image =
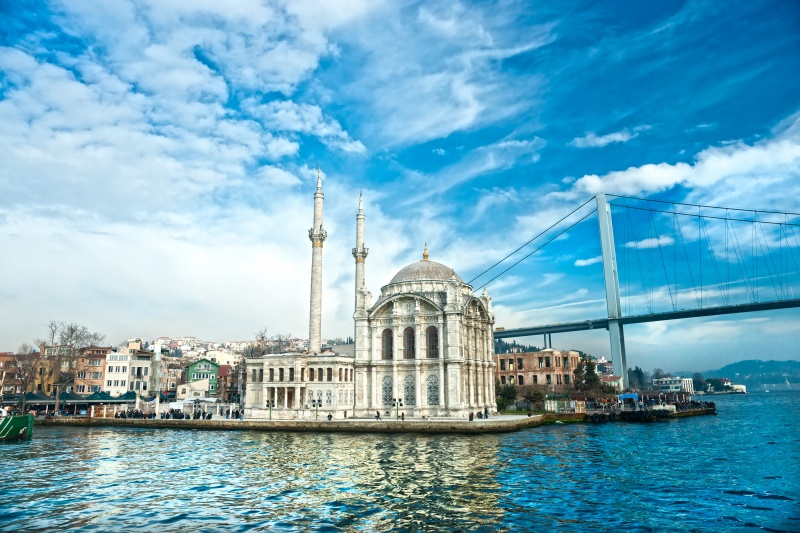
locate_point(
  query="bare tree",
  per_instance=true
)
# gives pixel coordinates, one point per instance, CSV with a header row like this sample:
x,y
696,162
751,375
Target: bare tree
x,y
28,365
64,343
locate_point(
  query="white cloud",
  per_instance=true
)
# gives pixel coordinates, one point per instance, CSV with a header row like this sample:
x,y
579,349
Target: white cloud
x,y
308,119
661,240
590,261
439,151
591,140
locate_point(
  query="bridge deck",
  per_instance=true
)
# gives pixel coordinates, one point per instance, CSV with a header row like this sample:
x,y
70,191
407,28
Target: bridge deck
x,y
602,323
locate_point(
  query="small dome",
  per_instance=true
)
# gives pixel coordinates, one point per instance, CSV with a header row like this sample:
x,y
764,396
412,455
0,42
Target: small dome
x,y
425,270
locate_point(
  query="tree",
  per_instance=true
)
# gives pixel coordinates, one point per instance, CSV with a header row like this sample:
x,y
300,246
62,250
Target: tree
x,y
637,378
64,344
533,395
586,377
699,382
658,374
28,365
508,393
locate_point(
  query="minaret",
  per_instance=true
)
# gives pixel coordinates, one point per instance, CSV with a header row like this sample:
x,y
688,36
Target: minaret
x,y
360,252
317,236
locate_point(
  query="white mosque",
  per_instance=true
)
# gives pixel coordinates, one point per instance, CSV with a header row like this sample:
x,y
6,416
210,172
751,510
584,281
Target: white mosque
x,y
425,348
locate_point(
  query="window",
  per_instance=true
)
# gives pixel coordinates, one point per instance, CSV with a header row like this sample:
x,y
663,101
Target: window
x,y
80,388
558,379
519,364
502,380
280,374
386,390
260,374
116,383
330,374
409,349
255,375
272,374
520,380
510,380
547,362
386,344
549,379
302,374
566,378
410,390
432,335
144,386
511,365
291,374
94,362
566,362
328,397
319,374
541,362
96,375
81,375
108,383
310,374
433,390
502,364
145,371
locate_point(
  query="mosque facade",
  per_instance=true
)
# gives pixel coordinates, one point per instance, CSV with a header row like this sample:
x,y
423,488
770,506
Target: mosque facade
x,y
425,348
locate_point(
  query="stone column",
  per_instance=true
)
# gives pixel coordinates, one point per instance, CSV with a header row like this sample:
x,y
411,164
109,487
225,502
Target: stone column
x,y
317,236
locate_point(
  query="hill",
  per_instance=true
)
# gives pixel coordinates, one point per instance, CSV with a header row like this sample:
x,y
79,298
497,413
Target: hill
x,y
756,373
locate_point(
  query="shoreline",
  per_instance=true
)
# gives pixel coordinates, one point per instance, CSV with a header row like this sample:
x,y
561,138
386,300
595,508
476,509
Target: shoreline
x,y
498,424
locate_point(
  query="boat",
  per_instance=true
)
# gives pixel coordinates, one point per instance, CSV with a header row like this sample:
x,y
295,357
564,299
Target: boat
x,y
16,427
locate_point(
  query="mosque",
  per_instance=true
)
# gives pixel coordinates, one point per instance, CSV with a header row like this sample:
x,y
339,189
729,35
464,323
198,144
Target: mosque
x,y
425,348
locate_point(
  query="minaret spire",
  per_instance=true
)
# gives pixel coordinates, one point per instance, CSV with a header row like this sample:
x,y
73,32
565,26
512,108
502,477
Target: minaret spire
x,y
317,237
360,251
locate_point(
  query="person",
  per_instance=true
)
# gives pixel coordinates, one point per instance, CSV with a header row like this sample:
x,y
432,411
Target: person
x,y
485,412
330,417
402,416
471,416
377,415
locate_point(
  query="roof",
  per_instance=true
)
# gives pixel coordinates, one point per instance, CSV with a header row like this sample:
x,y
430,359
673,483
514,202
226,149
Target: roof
x,y
425,270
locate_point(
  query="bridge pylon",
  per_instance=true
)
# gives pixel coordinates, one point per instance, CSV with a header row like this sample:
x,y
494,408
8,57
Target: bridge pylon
x,y
611,275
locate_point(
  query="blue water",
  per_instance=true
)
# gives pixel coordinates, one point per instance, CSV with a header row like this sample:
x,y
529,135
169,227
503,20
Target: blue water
x,y
737,471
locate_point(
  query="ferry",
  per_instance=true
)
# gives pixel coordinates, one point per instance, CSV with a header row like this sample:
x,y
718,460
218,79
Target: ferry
x,y
15,427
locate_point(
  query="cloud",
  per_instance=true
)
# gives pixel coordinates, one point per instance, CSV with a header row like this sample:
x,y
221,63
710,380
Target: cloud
x,y
661,240
439,151
591,140
590,261
735,165
288,116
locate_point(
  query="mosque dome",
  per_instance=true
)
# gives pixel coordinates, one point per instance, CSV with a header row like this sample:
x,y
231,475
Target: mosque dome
x,y
425,270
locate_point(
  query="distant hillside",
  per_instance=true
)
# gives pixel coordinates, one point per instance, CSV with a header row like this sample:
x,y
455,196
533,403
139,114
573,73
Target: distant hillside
x,y
755,372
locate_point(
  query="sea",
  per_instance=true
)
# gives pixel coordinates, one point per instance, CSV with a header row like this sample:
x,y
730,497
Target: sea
x,y
736,471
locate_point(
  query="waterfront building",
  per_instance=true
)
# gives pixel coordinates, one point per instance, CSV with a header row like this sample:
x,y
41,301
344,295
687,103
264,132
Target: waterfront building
x,y
204,369
116,375
91,370
427,344
549,368
674,384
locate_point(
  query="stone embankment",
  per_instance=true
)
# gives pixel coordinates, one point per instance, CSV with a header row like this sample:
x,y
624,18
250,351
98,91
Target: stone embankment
x,y
497,424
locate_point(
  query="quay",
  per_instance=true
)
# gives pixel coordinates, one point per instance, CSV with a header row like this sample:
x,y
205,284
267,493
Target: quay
x,y
496,424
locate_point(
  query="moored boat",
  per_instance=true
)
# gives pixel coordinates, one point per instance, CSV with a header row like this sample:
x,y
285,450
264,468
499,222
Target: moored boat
x,y
16,427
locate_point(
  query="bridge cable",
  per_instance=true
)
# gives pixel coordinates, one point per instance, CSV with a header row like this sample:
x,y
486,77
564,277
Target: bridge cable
x,y
688,263
663,262
540,247
629,223
702,205
714,263
767,259
708,216
530,241
737,248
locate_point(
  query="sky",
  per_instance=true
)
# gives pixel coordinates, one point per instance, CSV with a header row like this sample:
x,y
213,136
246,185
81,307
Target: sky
x,y
158,160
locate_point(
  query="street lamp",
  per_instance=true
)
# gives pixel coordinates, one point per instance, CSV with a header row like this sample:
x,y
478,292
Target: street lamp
x,y
316,404
270,404
397,403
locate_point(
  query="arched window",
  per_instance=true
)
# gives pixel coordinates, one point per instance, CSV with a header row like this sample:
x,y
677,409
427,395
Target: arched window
x,y
520,380
409,391
340,374
386,345
432,335
386,390
310,374
433,390
330,374
272,374
319,374
408,344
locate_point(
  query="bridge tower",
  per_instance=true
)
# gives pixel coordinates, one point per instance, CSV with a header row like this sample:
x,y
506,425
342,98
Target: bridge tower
x,y
611,275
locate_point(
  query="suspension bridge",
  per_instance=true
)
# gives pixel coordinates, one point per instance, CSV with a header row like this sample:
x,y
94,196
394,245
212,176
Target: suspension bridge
x,y
679,261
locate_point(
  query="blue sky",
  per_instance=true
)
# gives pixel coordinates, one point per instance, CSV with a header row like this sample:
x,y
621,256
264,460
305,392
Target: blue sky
x,y
159,157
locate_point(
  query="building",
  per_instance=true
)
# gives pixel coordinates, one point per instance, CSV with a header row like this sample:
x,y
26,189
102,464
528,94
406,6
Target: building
x,y
612,381
204,369
116,376
550,368
426,344
91,369
674,384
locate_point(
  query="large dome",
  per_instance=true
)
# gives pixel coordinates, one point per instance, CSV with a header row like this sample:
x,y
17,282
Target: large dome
x,y
425,270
